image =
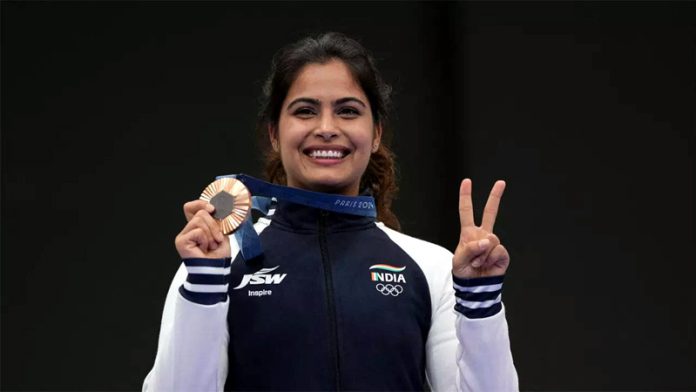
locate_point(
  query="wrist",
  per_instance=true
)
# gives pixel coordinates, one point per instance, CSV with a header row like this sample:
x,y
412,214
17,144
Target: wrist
x,y
478,297
207,280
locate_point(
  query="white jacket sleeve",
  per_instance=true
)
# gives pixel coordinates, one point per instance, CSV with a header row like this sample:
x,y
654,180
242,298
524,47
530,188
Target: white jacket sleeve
x,y
484,358
192,348
481,346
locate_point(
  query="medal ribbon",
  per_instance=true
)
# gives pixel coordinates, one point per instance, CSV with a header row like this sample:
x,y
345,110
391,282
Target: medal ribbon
x,y
263,192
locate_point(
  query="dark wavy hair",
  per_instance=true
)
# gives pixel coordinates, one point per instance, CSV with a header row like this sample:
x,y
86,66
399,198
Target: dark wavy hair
x,y
380,175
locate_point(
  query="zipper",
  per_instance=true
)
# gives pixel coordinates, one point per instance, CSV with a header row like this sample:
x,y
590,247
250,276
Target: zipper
x,y
330,304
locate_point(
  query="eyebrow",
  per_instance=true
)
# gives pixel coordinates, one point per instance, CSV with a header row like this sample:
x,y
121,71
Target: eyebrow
x,y
314,101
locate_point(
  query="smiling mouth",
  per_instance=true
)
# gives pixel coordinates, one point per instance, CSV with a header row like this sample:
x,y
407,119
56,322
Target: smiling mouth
x,y
327,153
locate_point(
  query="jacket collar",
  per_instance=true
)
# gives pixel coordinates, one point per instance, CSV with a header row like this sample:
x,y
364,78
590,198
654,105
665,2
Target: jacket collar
x,y
303,219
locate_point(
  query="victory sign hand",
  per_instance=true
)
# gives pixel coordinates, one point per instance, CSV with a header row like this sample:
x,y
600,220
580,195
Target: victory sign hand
x,y
479,252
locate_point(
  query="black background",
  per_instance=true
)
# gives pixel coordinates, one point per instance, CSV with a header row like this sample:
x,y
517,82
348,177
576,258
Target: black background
x,y
114,114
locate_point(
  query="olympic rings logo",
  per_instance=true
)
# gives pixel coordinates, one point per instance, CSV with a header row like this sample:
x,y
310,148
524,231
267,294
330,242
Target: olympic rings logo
x,y
389,289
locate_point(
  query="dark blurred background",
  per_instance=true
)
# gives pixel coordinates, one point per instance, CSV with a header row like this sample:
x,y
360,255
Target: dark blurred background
x,y
115,114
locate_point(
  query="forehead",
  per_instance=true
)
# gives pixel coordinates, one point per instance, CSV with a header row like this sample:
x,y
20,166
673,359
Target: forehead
x,y
327,81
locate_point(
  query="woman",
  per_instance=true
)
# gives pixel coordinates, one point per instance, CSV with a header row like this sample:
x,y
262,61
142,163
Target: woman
x,y
336,301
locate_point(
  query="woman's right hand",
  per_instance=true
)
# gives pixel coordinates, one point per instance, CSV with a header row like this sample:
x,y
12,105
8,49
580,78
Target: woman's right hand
x,y
202,236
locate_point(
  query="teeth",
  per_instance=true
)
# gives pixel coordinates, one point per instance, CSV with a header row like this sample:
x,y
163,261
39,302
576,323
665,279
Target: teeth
x,y
326,154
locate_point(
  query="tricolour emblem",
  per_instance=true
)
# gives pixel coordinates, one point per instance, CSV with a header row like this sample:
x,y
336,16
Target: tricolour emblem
x,y
391,276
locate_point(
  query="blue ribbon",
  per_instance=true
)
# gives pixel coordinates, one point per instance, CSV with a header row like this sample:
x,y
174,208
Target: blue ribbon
x,y
263,192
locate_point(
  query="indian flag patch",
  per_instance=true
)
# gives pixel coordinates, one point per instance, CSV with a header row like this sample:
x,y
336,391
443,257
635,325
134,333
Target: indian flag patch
x,y
387,273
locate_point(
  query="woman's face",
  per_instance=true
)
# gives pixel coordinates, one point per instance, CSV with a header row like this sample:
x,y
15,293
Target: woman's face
x,y
325,132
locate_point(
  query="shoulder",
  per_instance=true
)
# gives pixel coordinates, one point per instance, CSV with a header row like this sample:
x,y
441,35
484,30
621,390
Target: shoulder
x,y
434,260
417,248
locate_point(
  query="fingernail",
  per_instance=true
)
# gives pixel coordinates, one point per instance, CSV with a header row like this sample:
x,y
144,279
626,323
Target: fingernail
x,y
209,207
483,244
476,263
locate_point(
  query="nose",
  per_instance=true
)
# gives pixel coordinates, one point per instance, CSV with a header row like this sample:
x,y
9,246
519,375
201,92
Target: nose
x,y
327,128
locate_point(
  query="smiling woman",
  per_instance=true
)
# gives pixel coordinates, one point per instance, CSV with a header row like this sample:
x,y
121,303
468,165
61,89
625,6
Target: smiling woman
x,y
325,134
336,65
335,300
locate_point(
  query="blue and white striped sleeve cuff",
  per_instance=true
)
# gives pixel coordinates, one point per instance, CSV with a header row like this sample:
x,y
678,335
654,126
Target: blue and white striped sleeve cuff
x,y
478,297
207,280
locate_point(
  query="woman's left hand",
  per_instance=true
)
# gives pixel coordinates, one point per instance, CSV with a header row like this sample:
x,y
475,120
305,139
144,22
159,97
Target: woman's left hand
x,y
479,252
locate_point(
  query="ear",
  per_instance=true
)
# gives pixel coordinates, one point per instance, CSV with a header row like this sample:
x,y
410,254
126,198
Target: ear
x,y
377,138
273,137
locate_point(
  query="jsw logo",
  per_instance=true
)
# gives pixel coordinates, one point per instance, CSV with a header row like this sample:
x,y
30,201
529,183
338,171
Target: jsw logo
x,y
262,276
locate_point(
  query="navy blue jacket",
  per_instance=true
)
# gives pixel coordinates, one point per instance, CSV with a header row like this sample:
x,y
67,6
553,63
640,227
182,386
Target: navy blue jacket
x,y
325,325
336,302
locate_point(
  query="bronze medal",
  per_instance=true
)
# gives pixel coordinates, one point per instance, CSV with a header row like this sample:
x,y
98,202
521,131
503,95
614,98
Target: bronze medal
x,y
232,202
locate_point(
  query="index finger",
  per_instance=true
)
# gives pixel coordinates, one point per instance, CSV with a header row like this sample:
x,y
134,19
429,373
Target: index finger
x,y
492,205
466,207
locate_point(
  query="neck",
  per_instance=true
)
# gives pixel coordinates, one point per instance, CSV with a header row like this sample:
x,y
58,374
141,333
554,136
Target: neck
x,y
351,190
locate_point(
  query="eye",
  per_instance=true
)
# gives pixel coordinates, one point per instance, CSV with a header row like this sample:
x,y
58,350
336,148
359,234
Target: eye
x,y
304,112
348,112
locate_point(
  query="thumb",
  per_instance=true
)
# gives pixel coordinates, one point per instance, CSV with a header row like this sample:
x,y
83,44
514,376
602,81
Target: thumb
x,y
468,252
192,207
